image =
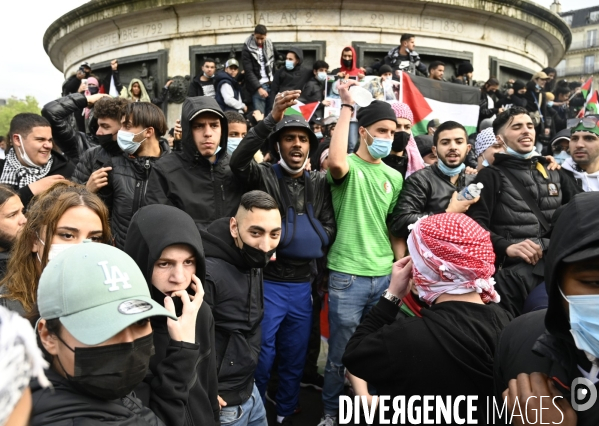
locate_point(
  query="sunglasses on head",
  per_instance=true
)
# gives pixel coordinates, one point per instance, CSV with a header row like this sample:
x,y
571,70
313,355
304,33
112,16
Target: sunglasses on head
x,y
588,122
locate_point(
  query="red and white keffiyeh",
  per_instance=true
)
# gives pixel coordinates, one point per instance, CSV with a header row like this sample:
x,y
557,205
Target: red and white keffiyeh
x,y
415,161
452,254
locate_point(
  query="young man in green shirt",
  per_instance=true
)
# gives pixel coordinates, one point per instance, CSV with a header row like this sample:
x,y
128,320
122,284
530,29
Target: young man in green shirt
x,y
364,191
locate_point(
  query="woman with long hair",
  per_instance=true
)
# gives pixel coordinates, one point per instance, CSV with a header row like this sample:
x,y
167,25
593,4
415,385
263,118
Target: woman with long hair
x,y
64,214
12,221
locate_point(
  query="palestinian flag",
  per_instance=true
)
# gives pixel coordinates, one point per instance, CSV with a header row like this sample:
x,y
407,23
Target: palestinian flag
x,y
586,87
430,99
592,103
306,110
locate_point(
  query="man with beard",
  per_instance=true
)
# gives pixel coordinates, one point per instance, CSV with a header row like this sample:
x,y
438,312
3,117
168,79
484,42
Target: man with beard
x,y
517,204
12,221
434,189
583,166
304,200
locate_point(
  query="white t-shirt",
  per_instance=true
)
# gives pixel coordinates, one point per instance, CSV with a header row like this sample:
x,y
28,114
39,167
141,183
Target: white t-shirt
x,y
263,76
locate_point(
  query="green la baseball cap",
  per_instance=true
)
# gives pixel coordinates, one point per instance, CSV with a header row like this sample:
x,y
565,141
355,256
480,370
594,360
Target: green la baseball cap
x,y
96,291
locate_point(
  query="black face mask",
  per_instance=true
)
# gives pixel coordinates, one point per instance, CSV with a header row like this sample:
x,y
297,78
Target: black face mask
x,y
255,258
347,63
112,371
105,140
93,90
400,141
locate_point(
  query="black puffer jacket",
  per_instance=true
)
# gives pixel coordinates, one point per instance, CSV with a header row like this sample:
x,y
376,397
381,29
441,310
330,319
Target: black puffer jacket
x,y
182,376
72,142
262,177
502,210
424,193
191,182
235,293
541,341
127,183
62,405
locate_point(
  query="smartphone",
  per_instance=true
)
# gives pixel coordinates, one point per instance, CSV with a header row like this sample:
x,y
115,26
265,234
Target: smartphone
x,y
84,80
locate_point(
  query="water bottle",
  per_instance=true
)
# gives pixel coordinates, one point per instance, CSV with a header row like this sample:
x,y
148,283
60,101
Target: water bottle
x,y
470,192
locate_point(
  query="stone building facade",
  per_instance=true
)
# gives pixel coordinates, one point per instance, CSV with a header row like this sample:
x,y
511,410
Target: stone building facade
x,y
582,58
164,38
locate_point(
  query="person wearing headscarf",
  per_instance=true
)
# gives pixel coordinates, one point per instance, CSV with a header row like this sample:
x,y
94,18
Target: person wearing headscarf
x,y
20,361
136,91
404,156
486,147
454,340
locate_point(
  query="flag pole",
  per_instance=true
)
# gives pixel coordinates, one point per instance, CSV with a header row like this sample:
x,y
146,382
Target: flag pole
x,y
400,86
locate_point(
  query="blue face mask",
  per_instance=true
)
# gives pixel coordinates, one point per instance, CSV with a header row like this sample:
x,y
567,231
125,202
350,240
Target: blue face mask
x,y
549,104
318,135
519,155
380,147
321,76
485,162
289,65
126,142
561,157
450,171
538,87
584,322
232,144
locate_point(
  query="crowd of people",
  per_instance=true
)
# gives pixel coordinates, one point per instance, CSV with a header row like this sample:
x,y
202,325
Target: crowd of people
x,y
450,264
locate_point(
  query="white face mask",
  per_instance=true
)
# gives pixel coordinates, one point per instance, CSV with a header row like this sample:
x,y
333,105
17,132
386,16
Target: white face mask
x,y
55,249
24,157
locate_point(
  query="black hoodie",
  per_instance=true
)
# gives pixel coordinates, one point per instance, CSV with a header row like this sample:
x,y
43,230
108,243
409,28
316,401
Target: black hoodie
x,y
541,341
62,405
191,182
182,375
235,293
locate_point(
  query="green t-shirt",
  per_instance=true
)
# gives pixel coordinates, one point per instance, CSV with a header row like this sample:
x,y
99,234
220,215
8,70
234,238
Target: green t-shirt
x,y
362,203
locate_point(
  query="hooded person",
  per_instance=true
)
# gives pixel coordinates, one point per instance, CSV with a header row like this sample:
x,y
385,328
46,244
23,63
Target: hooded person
x,y
555,351
517,96
136,94
451,265
181,371
235,257
404,157
349,64
202,163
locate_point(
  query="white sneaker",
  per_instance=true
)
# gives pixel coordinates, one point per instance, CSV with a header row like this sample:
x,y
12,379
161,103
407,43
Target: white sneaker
x,y
328,420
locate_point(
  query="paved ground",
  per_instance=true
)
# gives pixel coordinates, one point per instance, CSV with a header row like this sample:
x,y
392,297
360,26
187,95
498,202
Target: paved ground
x,y
310,400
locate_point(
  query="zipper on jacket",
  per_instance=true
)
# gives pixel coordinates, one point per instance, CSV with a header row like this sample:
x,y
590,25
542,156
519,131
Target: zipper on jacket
x,y
222,191
144,184
212,172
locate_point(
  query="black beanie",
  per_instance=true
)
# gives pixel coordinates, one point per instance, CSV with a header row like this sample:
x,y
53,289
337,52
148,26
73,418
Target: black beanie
x,y
376,111
385,69
424,144
465,68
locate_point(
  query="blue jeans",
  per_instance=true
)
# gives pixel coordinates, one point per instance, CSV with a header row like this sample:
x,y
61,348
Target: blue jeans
x,y
286,329
250,413
350,298
261,103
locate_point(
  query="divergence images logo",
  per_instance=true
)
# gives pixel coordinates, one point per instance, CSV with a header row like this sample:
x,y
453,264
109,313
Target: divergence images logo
x,y
584,394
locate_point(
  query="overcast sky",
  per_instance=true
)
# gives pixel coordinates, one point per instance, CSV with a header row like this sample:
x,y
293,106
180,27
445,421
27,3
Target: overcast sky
x,y
26,68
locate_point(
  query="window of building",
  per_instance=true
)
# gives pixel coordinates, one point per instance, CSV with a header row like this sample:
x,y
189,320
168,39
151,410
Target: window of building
x,y
567,19
589,64
591,38
593,17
